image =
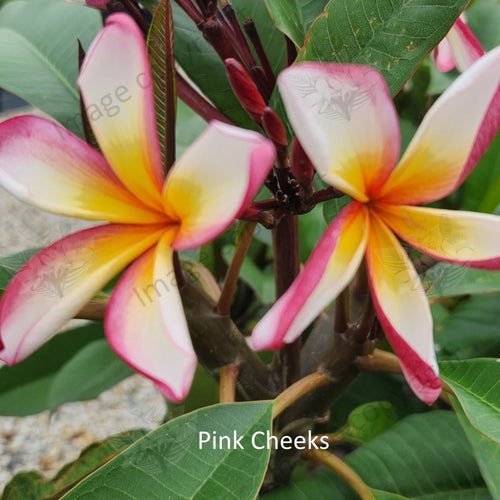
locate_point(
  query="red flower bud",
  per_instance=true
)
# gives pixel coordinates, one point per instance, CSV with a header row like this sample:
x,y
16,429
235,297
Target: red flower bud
x,y
245,89
274,127
300,164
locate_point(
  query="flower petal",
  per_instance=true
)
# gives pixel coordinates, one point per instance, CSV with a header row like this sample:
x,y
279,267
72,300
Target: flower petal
x,y
468,238
47,166
117,89
434,163
214,180
464,45
58,281
146,326
345,120
328,271
443,56
403,310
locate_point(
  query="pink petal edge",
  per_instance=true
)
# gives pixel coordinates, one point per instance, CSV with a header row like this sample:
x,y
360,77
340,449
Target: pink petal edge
x,y
273,329
115,330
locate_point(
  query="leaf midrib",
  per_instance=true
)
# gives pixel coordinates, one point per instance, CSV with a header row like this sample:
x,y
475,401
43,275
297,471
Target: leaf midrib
x,y
59,75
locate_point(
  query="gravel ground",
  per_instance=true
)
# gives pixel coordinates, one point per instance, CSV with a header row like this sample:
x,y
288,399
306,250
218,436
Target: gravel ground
x,y
46,441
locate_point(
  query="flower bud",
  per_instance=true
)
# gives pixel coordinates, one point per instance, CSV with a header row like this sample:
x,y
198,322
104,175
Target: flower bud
x,y
245,89
274,127
300,164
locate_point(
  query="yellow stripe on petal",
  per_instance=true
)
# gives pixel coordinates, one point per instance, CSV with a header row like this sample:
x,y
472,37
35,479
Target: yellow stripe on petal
x,y
58,281
346,122
213,180
402,309
116,86
468,238
47,166
328,271
146,326
434,162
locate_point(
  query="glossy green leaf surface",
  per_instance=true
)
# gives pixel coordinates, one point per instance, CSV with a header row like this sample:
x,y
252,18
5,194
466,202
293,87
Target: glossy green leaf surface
x,y
487,452
77,364
392,36
470,330
368,421
171,462
38,43
287,15
423,456
33,486
476,384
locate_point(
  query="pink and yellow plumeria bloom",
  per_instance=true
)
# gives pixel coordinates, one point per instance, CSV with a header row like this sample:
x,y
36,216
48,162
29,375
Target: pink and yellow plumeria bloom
x,y
458,49
149,217
344,118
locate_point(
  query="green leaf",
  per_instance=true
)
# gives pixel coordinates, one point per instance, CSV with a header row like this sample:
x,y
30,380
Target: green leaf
x,y
449,280
92,370
171,463
205,68
160,45
476,384
311,228
28,486
487,452
370,387
311,9
287,16
39,54
481,190
392,36
332,208
33,486
424,455
10,264
322,484
32,386
470,330
483,18
189,126
367,421
421,457
261,282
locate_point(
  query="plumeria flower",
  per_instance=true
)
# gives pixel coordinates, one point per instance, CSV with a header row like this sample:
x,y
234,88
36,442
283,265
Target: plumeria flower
x,y
345,120
458,49
149,217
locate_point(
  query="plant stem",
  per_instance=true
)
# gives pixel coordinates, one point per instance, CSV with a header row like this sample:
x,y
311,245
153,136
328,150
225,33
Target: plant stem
x,y
218,343
270,79
293,393
380,361
227,388
197,102
385,362
191,10
341,321
341,469
95,310
170,80
135,12
231,279
287,267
